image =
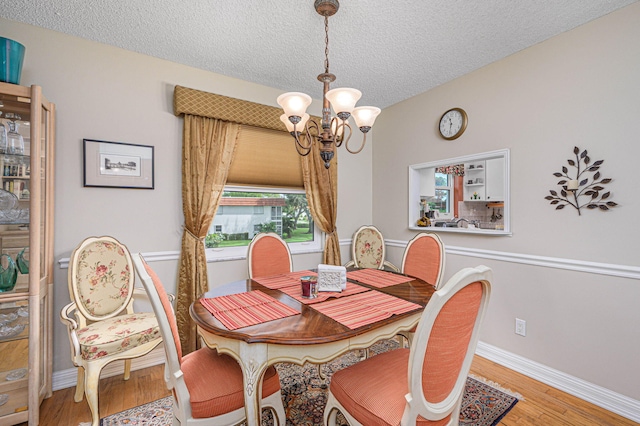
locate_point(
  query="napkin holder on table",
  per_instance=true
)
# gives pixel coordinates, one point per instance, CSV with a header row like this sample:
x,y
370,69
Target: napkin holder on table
x,y
332,278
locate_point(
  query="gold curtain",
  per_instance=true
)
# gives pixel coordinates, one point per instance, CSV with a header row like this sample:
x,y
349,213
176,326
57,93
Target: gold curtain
x,y
321,187
207,151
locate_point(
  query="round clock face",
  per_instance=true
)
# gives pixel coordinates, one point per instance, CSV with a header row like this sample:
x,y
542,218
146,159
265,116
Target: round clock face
x,y
453,123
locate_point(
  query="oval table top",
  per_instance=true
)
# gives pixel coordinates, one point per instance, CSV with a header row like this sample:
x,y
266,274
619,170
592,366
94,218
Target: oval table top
x,y
311,326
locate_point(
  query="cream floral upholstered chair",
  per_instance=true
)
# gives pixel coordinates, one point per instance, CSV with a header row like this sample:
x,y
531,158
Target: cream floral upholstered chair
x,y
268,254
100,319
207,387
422,385
368,250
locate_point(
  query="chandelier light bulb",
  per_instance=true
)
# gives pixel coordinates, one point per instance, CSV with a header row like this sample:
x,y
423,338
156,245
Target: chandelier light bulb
x,y
294,104
365,116
343,100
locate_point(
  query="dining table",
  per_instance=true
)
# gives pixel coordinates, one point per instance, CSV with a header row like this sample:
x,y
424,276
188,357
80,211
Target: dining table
x,y
265,320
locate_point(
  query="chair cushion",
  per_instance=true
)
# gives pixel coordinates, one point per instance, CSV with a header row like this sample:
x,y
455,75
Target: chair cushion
x,y
111,336
103,277
423,260
215,383
168,309
373,390
269,257
368,249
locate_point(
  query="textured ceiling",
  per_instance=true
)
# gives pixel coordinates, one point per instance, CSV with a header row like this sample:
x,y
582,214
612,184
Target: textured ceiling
x,y
390,50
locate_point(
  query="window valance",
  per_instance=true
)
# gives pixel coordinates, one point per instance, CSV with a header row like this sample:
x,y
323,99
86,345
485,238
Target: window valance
x,y
205,104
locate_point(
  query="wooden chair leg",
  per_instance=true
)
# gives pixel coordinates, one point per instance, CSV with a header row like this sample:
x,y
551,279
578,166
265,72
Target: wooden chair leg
x,y
127,369
79,385
91,382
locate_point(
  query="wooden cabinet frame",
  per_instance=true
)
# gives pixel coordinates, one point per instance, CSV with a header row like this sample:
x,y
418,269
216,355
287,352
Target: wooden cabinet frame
x,y
32,106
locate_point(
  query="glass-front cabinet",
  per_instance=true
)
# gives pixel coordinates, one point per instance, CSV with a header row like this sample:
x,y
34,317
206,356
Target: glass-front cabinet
x,y
26,251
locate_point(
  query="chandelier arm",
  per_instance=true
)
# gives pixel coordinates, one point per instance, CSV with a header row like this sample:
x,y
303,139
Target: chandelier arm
x,y
304,140
364,140
303,149
341,127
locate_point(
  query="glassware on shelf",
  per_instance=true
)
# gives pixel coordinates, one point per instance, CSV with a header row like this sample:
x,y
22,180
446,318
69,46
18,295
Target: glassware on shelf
x,y
8,275
23,264
15,141
3,137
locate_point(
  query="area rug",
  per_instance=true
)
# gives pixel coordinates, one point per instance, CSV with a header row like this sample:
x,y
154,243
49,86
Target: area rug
x,y
304,394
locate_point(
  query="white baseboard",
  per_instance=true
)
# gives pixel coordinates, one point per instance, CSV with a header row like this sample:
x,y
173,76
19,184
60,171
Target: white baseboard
x,y
597,395
67,378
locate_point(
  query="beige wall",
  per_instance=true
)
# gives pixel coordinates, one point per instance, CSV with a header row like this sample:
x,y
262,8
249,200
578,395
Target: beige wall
x,y
111,94
581,88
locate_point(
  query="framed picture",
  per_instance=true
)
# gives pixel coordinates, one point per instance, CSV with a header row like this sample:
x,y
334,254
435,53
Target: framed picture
x,y
117,164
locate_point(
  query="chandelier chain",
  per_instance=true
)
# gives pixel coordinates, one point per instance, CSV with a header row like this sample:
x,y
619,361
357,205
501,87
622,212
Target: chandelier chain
x,y
326,44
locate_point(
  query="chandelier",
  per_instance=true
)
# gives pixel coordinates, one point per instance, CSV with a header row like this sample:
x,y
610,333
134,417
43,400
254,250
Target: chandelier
x,y
332,132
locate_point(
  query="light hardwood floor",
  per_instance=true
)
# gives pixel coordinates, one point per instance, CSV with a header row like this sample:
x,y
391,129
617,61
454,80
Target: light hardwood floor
x,y
542,405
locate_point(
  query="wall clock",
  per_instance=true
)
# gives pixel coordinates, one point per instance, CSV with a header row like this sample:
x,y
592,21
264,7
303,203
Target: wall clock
x,y
453,123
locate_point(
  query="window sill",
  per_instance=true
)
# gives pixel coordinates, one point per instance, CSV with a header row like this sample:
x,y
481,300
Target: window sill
x,y
218,255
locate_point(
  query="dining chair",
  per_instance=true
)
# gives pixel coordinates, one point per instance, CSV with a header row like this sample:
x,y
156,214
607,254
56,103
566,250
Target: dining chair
x,y
101,322
424,258
424,384
207,387
368,250
268,254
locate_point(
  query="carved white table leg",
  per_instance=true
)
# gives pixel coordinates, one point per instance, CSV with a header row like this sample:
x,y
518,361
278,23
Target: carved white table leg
x,y
253,361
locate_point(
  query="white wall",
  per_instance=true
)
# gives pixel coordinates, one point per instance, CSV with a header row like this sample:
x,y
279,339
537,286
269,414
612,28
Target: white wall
x,y
111,94
581,88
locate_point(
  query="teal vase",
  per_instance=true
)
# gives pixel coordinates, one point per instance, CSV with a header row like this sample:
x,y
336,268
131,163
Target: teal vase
x,y
11,57
22,263
8,275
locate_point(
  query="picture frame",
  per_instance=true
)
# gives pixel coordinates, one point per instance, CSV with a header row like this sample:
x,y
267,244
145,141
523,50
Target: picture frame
x,y
117,165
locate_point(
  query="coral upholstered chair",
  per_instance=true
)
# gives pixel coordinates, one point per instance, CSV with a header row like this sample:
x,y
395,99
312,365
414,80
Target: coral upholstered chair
x,y
207,387
424,258
100,320
368,250
268,254
422,385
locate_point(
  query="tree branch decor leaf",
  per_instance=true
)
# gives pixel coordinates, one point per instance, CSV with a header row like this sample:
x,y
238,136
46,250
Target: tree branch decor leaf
x,y
581,190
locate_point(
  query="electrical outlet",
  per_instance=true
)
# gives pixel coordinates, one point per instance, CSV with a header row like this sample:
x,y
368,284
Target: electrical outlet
x,y
521,327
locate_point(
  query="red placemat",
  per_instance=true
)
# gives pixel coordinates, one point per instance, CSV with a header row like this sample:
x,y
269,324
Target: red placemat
x,y
377,278
364,308
245,309
277,282
295,291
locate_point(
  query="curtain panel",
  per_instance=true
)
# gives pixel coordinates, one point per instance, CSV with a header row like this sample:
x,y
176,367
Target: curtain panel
x,y
207,151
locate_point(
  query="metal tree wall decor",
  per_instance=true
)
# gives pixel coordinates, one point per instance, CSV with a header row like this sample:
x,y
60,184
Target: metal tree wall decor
x,y
583,191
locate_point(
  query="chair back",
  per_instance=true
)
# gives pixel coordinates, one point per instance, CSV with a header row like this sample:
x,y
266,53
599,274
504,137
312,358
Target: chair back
x,y
164,312
101,280
368,249
424,258
444,345
268,254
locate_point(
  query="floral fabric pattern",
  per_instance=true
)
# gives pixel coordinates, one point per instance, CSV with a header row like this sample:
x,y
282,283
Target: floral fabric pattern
x,y
115,335
456,170
369,248
103,277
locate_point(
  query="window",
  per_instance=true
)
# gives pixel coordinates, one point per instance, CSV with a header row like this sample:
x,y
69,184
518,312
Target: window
x,y
444,194
249,211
